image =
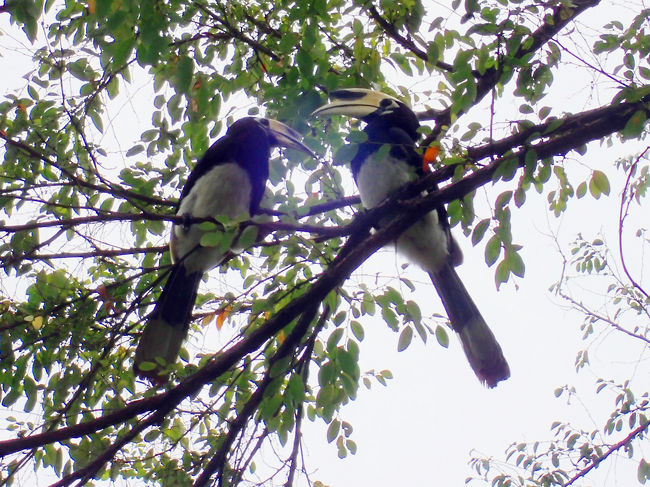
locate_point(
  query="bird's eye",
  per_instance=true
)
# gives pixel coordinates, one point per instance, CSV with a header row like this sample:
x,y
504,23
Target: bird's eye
x,y
385,102
265,122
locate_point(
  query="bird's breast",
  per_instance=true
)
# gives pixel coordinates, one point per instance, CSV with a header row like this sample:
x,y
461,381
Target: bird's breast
x,y
426,242
223,191
377,179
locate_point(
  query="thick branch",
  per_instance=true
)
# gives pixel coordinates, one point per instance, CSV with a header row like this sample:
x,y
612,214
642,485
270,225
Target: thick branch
x,y
579,123
403,213
561,16
408,44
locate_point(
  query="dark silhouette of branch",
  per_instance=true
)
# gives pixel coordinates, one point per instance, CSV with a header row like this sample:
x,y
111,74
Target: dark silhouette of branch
x,y
560,17
572,123
97,253
397,214
406,43
89,471
303,368
114,189
236,33
332,205
218,461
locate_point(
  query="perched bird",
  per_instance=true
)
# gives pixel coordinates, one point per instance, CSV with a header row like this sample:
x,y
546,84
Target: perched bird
x,y
227,183
428,242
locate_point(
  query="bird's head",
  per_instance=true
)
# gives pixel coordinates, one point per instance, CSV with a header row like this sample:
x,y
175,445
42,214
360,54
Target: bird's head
x,y
277,133
373,107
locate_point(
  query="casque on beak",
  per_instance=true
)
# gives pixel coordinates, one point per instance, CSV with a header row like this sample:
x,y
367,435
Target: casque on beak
x,y
355,102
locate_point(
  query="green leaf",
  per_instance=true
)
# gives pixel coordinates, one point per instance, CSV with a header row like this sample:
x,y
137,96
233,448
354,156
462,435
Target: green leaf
x,y
183,76
598,184
368,304
345,154
97,120
247,237
502,274
333,430
479,230
334,339
357,330
635,125
136,149
516,264
405,339
442,337
503,199
492,250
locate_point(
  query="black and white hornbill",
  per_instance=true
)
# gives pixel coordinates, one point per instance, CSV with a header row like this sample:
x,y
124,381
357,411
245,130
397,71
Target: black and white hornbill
x,y
228,183
428,242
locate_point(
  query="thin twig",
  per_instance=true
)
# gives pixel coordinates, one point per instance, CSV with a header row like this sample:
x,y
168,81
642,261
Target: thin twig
x,y
621,219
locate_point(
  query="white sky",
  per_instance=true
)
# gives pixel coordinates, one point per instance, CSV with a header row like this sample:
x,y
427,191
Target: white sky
x,y
423,428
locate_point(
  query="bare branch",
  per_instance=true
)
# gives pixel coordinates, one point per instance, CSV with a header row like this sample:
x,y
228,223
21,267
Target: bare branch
x,y
622,214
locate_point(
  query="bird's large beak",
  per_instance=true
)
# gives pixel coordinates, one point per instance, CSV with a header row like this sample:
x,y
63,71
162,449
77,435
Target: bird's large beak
x,y
285,136
353,102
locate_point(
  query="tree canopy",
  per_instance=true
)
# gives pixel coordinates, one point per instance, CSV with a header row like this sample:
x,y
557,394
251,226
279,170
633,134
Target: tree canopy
x,y
91,173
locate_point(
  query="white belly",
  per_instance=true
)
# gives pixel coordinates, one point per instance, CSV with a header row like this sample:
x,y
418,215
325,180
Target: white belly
x,y
224,191
425,243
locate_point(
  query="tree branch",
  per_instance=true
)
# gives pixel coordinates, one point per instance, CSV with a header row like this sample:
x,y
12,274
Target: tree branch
x,y
561,16
398,213
622,214
616,446
114,189
218,461
407,44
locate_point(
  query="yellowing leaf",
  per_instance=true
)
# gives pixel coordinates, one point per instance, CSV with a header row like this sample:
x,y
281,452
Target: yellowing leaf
x,y
222,315
37,323
92,6
207,319
281,337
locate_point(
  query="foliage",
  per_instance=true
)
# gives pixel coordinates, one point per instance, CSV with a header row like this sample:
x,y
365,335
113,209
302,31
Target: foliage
x,y
573,452
83,229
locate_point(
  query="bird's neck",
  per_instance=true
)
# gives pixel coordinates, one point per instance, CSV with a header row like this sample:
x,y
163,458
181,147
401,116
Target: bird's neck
x,y
381,132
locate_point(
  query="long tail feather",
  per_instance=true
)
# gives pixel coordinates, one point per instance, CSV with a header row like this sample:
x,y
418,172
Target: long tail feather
x,y
481,347
168,323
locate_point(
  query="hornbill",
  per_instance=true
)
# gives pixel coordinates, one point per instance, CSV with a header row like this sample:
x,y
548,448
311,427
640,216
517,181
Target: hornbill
x,y
227,183
428,242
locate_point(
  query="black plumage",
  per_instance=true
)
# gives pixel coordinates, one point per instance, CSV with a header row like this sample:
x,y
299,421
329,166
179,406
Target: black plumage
x,y
428,242
228,183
